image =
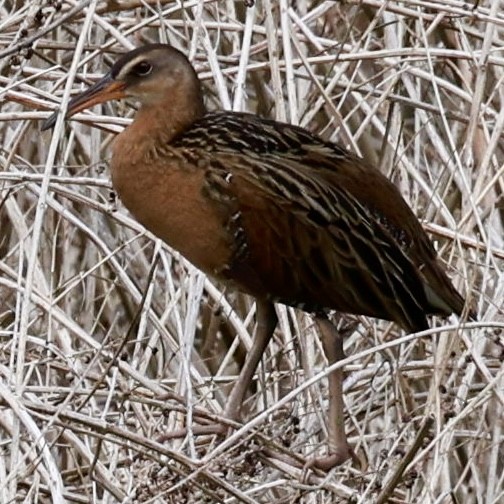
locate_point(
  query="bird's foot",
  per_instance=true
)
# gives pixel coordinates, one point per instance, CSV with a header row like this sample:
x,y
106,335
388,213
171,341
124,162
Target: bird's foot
x,y
336,457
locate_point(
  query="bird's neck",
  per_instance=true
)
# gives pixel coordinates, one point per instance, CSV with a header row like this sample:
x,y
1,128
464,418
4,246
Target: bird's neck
x,y
153,127
164,121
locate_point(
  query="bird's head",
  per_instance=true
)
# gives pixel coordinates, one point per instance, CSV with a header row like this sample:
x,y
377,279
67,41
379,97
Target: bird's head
x,y
150,74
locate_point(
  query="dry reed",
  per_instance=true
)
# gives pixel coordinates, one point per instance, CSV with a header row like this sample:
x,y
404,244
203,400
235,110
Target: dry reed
x,y
111,343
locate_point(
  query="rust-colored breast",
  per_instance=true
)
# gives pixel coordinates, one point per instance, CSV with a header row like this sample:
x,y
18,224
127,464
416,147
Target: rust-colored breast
x,y
163,189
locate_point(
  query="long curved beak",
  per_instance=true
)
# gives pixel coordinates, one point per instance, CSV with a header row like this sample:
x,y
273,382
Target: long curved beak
x,y
105,89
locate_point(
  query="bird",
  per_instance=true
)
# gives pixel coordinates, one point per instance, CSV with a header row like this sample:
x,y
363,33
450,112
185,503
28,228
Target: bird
x,y
269,209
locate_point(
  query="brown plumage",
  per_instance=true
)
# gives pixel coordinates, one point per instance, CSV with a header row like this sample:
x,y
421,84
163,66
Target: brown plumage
x,y
269,209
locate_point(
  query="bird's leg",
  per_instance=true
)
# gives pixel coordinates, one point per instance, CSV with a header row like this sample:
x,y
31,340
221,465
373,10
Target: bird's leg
x,y
266,322
339,449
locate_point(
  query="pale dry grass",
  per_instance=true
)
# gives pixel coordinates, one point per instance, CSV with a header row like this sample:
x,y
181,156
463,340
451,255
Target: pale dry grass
x,y
111,343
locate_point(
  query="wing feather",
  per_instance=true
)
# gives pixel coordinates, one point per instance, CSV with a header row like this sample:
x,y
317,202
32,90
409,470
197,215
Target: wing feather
x,y
317,232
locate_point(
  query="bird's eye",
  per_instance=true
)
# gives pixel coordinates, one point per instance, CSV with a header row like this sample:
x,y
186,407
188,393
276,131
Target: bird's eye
x,y
143,68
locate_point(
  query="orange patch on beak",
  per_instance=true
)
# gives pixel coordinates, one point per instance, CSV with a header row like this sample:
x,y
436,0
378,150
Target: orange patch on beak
x,y
104,90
